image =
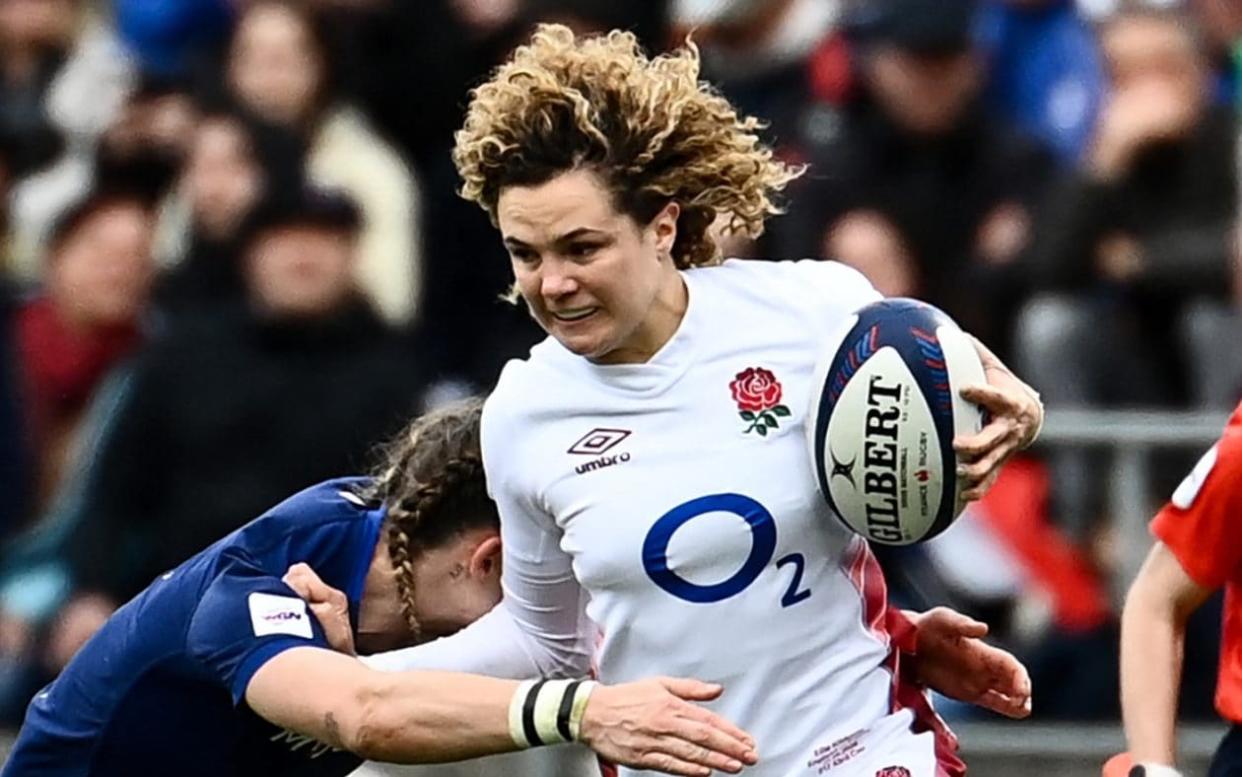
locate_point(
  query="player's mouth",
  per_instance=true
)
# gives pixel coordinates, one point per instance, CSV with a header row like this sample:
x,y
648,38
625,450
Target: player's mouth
x,y
573,315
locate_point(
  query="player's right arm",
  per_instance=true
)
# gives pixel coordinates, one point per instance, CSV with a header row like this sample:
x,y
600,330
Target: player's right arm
x,y
1153,625
431,717
252,633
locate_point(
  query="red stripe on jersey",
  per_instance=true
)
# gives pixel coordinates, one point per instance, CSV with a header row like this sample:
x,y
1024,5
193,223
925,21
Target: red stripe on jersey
x,y
906,693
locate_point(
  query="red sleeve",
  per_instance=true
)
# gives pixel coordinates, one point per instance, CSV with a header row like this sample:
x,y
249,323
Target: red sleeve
x,y
1202,523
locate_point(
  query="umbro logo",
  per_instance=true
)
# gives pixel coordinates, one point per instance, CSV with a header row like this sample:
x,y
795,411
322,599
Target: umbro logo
x,y
598,441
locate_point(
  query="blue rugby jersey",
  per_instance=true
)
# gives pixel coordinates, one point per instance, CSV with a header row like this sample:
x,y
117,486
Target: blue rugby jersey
x,y
160,690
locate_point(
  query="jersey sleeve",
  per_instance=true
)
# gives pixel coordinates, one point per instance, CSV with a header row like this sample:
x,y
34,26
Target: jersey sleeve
x,y
245,618
1202,523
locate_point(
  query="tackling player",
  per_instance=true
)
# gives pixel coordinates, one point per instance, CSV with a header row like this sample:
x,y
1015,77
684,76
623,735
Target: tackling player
x,y
1198,550
218,670
648,458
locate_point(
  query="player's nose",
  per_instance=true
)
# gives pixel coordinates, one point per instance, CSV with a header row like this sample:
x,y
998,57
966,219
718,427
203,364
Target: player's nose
x,y
556,283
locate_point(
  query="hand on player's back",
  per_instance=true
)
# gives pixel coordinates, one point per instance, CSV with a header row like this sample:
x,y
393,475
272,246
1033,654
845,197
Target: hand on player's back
x,y
652,724
327,604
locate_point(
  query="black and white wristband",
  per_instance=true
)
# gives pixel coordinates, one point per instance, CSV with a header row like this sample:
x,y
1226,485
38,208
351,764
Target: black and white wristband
x,y
1154,770
548,712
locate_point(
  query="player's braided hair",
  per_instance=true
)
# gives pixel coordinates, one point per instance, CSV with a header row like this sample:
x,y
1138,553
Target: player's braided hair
x,y
648,127
430,478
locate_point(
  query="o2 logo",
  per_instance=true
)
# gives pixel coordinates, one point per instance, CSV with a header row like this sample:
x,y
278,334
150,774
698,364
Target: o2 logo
x,y
762,548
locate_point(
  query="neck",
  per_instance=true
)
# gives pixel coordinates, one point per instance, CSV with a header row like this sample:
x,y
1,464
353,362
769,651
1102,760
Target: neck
x,y
661,323
381,618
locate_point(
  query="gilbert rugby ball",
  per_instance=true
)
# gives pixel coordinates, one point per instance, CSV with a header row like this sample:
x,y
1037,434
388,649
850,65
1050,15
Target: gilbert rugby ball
x,y
885,410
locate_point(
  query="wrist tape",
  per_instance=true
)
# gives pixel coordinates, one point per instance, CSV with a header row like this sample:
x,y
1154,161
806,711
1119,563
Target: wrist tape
x,y
548,712
1154,770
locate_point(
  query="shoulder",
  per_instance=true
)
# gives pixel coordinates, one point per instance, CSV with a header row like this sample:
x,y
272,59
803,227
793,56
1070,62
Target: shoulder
x,y
812,281
505,409
321,511
1218,474
527,385
1200,522
529,400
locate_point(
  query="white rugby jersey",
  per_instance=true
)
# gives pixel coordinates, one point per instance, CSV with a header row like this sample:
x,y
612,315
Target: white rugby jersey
x,y
673,504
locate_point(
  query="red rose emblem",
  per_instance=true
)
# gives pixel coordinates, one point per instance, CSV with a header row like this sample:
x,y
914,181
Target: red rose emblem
x,y
758,393
755,389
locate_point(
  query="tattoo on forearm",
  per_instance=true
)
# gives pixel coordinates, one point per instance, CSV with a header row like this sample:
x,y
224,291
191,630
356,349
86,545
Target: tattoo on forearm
x,y
333,728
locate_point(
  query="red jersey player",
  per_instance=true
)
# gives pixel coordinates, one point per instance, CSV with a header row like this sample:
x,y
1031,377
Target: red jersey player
x,y
1198,550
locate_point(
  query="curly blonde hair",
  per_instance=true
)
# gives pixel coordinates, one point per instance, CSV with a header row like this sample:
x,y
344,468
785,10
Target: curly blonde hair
x,y
648,127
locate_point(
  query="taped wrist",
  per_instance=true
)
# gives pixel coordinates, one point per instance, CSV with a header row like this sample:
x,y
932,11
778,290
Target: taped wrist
x,y
548,712
1154,770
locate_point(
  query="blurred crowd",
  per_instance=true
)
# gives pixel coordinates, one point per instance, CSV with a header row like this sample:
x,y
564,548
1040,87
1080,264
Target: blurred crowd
x,y
232,258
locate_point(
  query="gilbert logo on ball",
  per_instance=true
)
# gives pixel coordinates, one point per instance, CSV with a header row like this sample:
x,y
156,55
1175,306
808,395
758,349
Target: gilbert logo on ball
x,y
758,393
885,409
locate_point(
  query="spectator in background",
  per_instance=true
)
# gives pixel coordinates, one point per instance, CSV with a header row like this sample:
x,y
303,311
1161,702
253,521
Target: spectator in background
x,y
86,321
1221,23
35,39
15,474
222,419
174,40
1046,74
221,183
144,148
84,96
278,70
140,150
467,332
916,186
756,50
1133,241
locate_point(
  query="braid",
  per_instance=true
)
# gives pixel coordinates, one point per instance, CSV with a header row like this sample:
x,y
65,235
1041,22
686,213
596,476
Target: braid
x,y
403,569
431,481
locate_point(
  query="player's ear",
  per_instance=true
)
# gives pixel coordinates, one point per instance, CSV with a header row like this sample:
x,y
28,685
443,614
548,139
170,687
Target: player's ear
x,y
664,226
485,559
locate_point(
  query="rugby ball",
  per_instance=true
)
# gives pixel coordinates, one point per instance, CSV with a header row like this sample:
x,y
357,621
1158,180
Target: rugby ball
x,y
885,409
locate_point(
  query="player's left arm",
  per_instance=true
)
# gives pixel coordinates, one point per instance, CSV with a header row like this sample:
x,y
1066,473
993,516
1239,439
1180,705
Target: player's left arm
x,y
1015,416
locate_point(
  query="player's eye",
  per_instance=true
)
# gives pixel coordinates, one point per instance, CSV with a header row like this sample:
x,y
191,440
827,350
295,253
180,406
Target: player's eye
x,y
583,250
523,255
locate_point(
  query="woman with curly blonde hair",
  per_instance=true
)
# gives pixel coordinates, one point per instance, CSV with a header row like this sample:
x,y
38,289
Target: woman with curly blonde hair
x,y
648,519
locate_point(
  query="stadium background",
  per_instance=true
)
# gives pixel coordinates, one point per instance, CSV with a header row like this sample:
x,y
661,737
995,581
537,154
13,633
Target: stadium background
x,y
1058,175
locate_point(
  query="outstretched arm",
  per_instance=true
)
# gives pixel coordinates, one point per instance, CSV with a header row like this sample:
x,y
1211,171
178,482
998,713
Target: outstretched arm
x,y
430,717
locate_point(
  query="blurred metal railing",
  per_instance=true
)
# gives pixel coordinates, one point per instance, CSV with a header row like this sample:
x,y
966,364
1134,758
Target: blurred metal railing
x,y
1131,436
1068,749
